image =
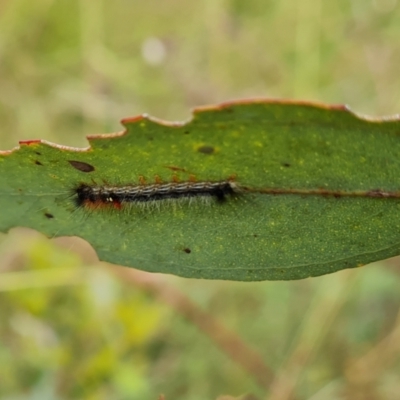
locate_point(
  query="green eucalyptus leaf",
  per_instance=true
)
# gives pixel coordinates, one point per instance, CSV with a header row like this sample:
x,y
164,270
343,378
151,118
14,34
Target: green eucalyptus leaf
x,y
317,192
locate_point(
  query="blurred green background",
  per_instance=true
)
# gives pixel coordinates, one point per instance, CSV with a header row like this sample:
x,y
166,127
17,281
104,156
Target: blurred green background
x,y
71,328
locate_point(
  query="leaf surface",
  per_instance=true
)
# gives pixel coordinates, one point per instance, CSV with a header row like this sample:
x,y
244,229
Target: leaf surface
x,y
319,191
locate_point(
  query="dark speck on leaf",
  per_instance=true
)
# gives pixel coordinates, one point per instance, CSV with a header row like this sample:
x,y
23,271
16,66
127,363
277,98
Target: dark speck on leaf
x,y
38,153
38,162
287,165
48,215
81,166
186,132
174,168
206,149
187,250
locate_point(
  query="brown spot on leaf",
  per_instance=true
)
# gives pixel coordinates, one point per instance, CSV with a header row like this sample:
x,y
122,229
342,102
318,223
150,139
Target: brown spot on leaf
x,y
38,162
48,215
187,250
81,166
174,168
286,164
206,149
